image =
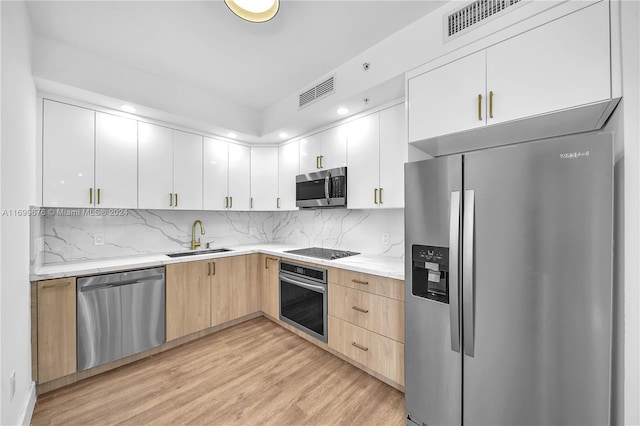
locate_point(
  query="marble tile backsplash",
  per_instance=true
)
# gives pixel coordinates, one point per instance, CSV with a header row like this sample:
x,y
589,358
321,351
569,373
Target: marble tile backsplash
x,y
71,234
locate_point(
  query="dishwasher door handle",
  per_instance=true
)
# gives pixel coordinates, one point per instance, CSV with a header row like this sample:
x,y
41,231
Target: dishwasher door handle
x,y
92,287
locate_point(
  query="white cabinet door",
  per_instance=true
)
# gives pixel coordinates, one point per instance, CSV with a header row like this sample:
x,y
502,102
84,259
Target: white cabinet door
x,y
216,174
116,168
68,152
364,162
310,152
239,177
559,65
264,178
289,168
155,167
393,156
334,148
445,100
187,170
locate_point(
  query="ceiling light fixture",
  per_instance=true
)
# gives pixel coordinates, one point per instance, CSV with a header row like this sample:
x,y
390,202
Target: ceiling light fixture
x,y
342,111
128,108
254,10
232,135
283,135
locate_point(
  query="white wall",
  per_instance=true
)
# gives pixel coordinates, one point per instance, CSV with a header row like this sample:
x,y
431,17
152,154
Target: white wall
x,y
17,170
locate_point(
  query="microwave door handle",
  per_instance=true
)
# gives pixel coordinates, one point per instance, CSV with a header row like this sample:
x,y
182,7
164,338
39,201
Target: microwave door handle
x,y
327,178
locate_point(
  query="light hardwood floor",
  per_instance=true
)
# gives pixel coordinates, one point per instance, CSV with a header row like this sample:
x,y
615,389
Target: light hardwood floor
x,y
254,373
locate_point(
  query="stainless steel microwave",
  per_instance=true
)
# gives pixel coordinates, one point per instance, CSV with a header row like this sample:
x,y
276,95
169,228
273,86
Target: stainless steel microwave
x,y
323,189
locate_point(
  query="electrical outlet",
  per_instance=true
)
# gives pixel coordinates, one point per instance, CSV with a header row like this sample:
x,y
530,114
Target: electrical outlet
x,y
98,239
12,385
253,231
385,238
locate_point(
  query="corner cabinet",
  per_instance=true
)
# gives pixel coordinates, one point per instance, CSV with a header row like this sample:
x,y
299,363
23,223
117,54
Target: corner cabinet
x,y
270,284
89,158
555,67
377,153
264,178
169,168
288,169
234,290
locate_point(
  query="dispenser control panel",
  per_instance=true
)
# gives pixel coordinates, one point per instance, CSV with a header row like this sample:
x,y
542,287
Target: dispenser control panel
x,y
430,272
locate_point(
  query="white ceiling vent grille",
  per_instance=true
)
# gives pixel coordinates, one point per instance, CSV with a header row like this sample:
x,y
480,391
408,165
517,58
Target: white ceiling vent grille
x,y
475,13
319,91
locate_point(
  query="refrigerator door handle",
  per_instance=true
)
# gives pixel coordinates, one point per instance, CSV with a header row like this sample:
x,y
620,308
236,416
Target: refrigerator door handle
x,y
468,254
454,256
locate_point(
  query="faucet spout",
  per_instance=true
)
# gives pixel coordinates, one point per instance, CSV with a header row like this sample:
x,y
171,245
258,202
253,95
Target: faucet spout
x,y
196,243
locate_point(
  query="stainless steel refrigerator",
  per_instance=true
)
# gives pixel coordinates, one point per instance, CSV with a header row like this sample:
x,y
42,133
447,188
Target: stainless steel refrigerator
x,y
508,286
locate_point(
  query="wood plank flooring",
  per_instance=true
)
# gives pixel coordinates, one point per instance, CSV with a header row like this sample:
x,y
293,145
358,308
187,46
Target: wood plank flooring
x,y
253,373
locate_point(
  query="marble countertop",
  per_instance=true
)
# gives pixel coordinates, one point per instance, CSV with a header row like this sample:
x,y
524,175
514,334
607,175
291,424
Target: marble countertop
x,y
371,264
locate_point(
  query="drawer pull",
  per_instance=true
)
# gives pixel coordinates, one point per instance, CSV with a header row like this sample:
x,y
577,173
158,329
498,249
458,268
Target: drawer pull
x,y
364,311
266,261
362,348
64,284
360,282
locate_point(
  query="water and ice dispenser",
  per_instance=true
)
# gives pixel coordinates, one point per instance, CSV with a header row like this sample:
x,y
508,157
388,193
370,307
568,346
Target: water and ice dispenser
x,y
430,272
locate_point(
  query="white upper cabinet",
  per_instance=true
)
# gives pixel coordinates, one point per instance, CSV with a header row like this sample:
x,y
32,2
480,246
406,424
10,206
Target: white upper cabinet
x,y
216,174
363,175
310,148
377,151
552,68
448,99
239,177
187,170
288,169
334,148
560,65
68,152
324,150
155,167
264,178
393,156
116,170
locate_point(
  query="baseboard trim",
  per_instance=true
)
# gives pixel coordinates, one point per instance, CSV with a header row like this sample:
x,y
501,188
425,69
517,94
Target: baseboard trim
x,y
27,412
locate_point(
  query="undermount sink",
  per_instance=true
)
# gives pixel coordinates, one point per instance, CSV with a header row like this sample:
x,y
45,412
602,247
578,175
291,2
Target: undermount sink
x,y
197,252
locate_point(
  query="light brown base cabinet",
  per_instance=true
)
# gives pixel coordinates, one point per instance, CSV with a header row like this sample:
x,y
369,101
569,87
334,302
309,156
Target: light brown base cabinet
x,y
235,290
188,298
56,332
270,269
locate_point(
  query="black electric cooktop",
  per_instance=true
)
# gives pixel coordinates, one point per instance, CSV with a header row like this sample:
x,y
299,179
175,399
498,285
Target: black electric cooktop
x,y
322,253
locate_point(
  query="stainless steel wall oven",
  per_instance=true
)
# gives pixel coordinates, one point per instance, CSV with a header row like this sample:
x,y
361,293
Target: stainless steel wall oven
x,y
303,298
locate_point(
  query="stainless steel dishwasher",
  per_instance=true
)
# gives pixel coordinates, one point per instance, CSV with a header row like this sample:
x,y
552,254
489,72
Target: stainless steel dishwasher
x,y
119,314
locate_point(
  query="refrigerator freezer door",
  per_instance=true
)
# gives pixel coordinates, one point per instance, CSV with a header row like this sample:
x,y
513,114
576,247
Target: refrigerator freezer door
x,y
433,386
543,283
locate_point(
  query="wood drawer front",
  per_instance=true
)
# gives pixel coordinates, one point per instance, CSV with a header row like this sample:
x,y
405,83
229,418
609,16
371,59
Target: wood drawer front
x,y
381,354
379,314
387,287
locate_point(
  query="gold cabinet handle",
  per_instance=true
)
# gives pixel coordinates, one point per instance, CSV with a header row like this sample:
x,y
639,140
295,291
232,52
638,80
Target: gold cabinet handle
x,y
251,202
226,202
490,104
362,348
375,196
90,195
230,202
214,268
381,196
171,199
176,203
317,162
479,107
321,157
360,282
208,268
98,195
364,311
58,285
278,202
266,261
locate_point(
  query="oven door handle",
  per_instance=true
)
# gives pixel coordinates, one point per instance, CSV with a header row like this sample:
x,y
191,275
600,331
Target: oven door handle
x,y
318,288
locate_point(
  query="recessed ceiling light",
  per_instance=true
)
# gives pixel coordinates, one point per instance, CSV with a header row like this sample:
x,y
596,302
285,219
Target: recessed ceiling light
x,y
232,135
128,108
254,10
283,135
342,110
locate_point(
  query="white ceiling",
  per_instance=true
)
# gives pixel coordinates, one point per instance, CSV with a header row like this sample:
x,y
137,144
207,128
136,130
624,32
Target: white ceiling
x,y
202,45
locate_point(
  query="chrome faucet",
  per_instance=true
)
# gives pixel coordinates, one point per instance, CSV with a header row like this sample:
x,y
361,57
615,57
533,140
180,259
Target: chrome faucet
x,y
195,243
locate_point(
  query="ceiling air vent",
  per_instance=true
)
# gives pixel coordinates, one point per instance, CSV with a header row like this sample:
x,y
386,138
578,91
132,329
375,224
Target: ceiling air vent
x,y
319,91
475,13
